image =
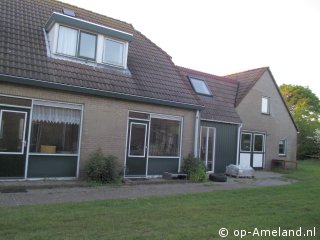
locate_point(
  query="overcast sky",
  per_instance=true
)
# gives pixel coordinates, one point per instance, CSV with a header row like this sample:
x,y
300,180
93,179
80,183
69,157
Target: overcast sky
x,y
227,36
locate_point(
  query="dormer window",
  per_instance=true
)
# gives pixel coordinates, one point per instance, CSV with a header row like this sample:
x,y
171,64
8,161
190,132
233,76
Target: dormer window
x,y
76,43
200,86
113,52
73,38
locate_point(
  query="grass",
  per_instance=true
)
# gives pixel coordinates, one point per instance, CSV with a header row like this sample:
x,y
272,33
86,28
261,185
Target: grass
x,y
189,216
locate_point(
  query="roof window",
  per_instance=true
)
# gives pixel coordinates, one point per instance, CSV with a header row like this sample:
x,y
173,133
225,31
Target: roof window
x,y
200,86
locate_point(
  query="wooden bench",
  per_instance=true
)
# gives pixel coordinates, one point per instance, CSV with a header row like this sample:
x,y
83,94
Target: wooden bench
x,y
282,162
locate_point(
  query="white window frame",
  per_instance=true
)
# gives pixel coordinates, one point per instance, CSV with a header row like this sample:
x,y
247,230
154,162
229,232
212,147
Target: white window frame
x,y
145,140
207,129
58,105
245,133
77,53
53,37
263,99
254,141
285,147
124,52
22,133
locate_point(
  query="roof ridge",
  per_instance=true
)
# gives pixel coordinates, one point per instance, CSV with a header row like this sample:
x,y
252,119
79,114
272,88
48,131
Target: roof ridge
x,y
246,71
217,77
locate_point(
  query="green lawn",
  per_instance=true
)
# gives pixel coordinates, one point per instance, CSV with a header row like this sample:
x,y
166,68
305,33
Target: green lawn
x,y
190,216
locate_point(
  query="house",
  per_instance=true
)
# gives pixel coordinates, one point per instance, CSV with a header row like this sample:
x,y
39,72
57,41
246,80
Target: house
x,y
245,120
220,123
268,131
73,81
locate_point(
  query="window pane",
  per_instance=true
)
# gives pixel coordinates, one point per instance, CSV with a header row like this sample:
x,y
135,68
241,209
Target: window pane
x,y
12,132
113,52
67,41
137,140
50,137
203,144
210,149
265,105
87,46
55,130
164,137
139,115
245,142
282,147
200,86
258,143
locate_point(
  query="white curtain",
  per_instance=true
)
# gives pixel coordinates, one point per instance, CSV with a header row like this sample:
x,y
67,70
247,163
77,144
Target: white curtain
x,y
56,115
67,42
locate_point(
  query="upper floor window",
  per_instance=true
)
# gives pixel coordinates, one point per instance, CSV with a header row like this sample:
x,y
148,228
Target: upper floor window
x,y
282,147
76,43
113,52
200,86
265,105
69,36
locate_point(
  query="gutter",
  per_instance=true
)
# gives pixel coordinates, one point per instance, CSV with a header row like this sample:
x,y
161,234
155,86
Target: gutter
x,y
196,134
96,92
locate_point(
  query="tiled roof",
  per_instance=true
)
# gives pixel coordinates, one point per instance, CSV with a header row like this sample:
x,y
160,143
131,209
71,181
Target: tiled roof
x,y
246,80
219,107
23,54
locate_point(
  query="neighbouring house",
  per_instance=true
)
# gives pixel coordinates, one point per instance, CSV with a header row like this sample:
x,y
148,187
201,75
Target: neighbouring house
x,y
73,81
245,120
268,131
220,124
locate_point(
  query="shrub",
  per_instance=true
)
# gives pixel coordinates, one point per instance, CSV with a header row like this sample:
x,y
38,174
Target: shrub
x,y
195,169
103,169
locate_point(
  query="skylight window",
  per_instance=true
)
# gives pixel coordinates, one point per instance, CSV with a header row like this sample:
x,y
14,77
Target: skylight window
x,y
200,86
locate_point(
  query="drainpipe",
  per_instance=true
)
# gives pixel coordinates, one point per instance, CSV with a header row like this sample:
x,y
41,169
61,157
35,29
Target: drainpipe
x,y
238,148
196,134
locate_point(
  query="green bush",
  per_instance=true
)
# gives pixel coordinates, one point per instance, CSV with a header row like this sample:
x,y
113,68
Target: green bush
x,y
103,169
195,169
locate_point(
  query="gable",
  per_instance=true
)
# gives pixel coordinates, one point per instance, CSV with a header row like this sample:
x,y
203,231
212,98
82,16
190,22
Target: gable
x,y
265,87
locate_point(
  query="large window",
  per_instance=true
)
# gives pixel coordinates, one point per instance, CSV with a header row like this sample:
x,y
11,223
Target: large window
x,y
164,137
113,52
55,130
76,43
265,105
200,86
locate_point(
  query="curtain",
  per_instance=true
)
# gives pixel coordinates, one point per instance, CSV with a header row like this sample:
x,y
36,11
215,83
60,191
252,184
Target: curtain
x,y
67,42
56,115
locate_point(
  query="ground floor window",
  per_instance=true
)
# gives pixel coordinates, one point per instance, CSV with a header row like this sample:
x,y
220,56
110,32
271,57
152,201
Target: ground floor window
x,y
55,130
164,137
282,147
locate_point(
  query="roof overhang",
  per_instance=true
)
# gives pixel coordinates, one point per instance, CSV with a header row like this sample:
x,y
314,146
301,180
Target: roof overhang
x,y
86,25
96,92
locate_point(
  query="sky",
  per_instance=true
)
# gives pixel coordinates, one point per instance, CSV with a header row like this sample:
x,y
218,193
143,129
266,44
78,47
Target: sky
x,y
228,36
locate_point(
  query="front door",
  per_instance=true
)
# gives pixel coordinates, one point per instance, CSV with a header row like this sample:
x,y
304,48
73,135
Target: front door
x,y
252,149
136,159
13,142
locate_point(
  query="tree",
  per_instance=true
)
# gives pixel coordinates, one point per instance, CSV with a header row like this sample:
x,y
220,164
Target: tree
x,y
304,106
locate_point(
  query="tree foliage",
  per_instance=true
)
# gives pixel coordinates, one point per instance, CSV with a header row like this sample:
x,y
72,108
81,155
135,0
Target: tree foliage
x,y
304,106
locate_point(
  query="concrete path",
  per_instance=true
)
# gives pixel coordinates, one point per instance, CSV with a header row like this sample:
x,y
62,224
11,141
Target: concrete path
x,y
40,193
